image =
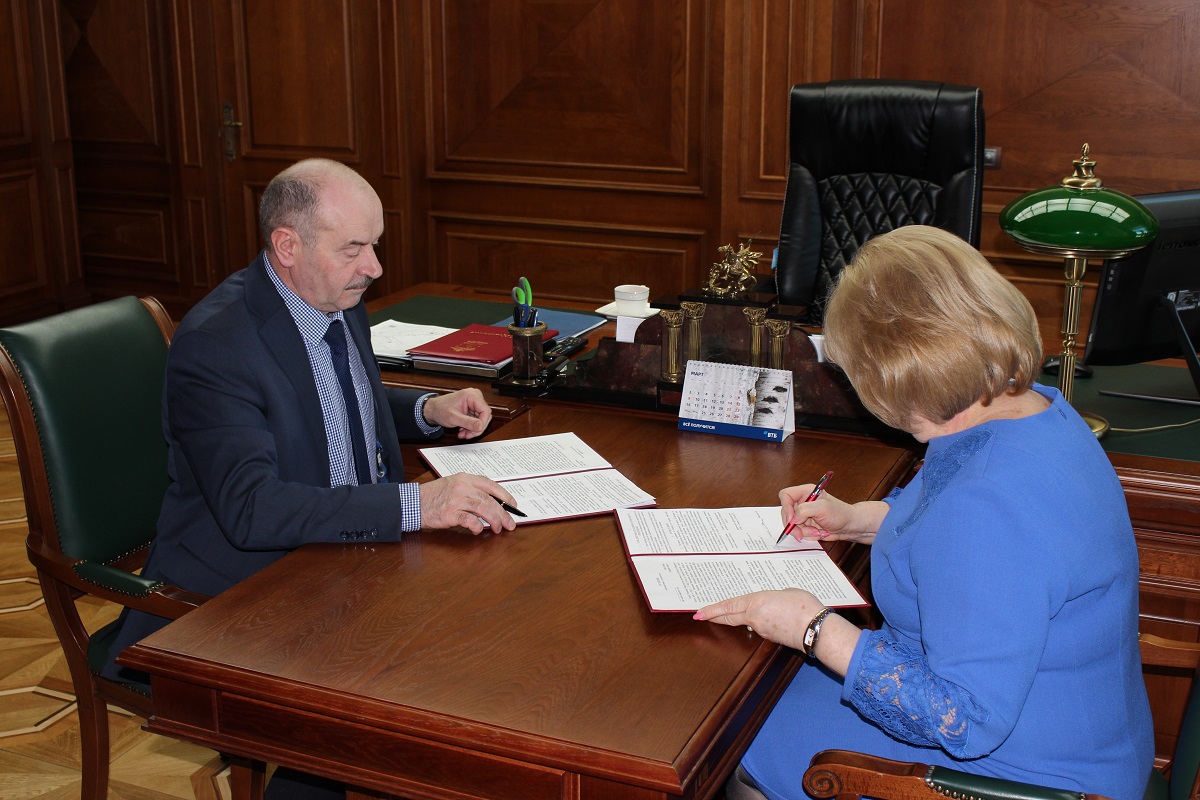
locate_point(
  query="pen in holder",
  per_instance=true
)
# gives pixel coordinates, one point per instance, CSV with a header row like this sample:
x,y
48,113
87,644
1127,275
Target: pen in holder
x,y
527,352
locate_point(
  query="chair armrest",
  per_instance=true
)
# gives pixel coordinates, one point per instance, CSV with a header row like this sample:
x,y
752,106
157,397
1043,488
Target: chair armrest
x,y
111,583
842,773
1159,651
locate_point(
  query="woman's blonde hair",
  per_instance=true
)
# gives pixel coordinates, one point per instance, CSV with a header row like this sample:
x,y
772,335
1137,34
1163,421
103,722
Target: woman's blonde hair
x,y
924,326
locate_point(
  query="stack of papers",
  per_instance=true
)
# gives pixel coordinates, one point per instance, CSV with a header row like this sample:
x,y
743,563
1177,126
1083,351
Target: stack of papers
x,y
557,476
391,340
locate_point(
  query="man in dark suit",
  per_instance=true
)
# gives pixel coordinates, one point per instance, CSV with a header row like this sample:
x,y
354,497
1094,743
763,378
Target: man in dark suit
x,y
279,429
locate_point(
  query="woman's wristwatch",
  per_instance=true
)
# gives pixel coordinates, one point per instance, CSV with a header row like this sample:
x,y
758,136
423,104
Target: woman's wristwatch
x,y
812,632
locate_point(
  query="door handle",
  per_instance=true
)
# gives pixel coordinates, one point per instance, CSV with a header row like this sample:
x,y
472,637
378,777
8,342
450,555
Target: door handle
x,y
229,133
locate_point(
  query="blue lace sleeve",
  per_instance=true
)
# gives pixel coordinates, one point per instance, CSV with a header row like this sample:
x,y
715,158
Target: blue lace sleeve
x,y
894,688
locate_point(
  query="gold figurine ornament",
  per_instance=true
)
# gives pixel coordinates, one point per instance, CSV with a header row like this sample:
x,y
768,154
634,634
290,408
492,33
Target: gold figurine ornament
x,y
733,275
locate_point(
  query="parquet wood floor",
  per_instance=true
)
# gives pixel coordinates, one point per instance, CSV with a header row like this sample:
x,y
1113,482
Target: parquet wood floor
x,y
39,730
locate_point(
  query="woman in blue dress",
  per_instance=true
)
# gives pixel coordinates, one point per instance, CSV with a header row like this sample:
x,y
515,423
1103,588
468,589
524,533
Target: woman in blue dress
x,y
1006,572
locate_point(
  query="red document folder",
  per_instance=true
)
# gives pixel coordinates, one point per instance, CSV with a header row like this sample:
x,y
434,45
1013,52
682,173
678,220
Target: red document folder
x,y
486,344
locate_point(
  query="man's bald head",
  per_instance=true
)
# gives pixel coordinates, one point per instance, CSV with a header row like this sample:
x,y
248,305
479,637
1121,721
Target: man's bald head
x,y
293,197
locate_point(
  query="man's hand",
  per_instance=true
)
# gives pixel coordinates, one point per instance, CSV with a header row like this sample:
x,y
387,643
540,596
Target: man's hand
x,y
465,500
464,409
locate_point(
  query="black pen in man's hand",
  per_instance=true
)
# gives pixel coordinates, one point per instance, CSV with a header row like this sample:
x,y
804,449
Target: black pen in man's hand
x,y
508,508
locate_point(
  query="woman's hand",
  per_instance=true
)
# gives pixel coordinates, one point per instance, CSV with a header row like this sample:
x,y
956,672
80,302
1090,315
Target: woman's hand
x,y
781,616
830,519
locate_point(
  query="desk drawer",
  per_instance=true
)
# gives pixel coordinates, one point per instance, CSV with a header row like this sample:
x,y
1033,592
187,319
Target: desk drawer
x,y
380,759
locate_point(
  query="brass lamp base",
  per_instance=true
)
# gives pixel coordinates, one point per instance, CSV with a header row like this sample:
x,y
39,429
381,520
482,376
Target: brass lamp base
x,y
1098,424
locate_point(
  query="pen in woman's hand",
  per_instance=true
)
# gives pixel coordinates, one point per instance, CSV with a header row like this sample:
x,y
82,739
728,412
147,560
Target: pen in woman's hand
x,y
813,495
510,509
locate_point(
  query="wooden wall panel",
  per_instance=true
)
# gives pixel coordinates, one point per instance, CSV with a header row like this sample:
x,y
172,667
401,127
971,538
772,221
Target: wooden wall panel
x,y
24,267
401,43
770,45
19,195
608,92
1098,72
15,123
198,238
114,86
39,257
1070,73
134,239
576,117
117,82
568,259
284,51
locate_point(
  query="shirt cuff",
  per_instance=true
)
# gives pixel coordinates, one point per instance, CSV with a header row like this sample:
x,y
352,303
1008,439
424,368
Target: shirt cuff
x,y
419,413
410,507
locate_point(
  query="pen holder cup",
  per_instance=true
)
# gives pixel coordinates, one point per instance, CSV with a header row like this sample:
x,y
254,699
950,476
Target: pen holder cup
x,y
527,353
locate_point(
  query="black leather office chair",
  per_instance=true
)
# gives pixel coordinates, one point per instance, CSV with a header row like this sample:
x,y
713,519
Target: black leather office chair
x,y
868,156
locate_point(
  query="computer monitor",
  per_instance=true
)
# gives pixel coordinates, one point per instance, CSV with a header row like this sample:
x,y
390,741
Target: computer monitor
x,y
1148,303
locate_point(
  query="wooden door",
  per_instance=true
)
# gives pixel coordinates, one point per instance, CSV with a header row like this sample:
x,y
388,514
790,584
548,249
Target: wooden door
x,y
309,80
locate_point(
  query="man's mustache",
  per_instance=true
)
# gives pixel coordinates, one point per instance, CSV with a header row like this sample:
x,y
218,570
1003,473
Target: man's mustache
x,y
363,284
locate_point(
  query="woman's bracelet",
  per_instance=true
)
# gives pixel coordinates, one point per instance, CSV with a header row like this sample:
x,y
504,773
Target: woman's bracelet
x,y
809,645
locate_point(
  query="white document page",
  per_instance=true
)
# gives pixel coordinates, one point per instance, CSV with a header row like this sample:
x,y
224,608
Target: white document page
x,y
393,339
687,583
528,457
686,558
575,494
439,360
660,531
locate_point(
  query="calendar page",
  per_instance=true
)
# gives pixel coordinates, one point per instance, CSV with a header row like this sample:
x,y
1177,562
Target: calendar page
x,y
737,400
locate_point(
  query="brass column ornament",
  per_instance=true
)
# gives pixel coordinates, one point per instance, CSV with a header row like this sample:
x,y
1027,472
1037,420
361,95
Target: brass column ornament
x,y
778,329
756,317
672,344
693,313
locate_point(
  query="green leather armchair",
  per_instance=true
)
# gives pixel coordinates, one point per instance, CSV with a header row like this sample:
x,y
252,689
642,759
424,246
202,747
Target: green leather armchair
x,y
843,775
83,390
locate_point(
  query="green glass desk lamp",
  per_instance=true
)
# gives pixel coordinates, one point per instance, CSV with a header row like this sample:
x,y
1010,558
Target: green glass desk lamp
x,y
1078,220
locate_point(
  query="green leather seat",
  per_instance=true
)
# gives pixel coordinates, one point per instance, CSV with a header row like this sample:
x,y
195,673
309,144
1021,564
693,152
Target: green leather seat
x,y
83,390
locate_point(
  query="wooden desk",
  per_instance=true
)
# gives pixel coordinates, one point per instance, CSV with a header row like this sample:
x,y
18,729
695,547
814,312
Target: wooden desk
x,y
1163,491
519,666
